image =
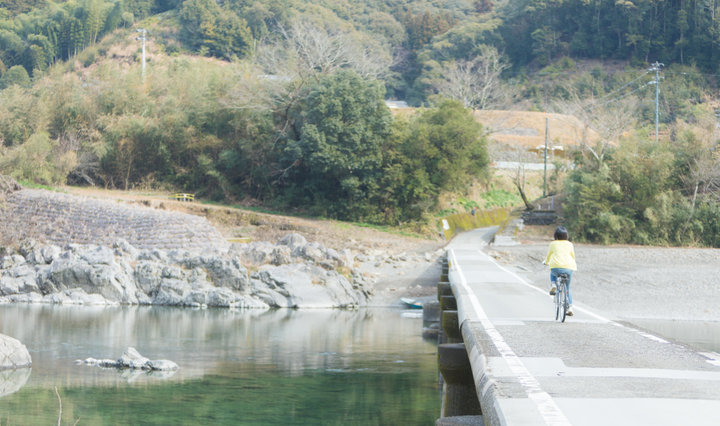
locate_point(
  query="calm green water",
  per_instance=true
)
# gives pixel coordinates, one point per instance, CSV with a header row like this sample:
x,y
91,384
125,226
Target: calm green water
x,y
368,367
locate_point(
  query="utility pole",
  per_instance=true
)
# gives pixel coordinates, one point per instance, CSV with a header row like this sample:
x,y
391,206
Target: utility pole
x,y
656,67
545,159
142,37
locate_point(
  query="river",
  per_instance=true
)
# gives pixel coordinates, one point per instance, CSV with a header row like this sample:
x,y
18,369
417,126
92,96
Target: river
x,y
366,367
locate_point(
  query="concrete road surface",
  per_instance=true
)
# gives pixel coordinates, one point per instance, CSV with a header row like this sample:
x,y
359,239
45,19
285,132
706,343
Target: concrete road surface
x,y
532,370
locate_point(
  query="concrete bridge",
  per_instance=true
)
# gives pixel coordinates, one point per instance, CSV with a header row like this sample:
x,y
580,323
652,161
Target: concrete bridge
x,y
506,361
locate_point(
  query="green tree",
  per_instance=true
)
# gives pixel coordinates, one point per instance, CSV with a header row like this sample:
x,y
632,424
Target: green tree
x,y
21,6
217,29
40,160
11,47
632,198
421,28
442,149
334,160
16,75
592,207
39,53
453,151
139,8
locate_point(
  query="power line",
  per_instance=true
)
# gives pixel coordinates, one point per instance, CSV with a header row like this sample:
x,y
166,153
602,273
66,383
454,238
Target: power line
x,y
588,108
593,106
624,86
655,81
691,73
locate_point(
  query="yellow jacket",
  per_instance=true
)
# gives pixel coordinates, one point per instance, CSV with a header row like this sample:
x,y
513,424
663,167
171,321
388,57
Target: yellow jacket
x,y
561,254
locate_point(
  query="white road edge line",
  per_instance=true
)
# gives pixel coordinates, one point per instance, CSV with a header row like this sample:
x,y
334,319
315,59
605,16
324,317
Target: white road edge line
x,y
583,310
711,357
549,410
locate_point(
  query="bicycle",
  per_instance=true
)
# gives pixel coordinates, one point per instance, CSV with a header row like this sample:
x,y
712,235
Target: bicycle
x,y
561,297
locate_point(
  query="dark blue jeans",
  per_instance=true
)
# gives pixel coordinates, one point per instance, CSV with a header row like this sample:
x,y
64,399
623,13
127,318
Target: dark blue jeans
x,y
554,272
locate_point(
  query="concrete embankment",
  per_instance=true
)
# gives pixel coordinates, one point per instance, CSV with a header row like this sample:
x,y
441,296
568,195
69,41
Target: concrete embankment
x,y
60,219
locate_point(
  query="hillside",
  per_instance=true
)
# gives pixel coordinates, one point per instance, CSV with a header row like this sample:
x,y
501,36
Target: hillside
x,y
281,104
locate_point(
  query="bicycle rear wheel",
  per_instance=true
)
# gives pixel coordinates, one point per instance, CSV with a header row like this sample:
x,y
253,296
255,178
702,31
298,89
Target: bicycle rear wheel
x,y
558,301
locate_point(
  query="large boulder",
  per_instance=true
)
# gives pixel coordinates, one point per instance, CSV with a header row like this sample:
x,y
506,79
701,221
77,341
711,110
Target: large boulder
x,y
43,255
95,271
312,253
256,253
76,296
223,272
13,354
148,276
307,286
281,255
293,241
18,278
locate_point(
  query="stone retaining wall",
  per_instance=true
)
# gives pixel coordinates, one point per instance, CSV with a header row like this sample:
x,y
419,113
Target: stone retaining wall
x,y
60,219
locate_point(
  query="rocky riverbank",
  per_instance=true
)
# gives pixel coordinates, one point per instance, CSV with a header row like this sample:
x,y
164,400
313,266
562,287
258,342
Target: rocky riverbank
x,y
106,247
289,274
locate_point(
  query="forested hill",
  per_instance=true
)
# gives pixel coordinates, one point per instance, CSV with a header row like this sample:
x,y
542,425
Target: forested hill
x,y
282,103
15,7
417,40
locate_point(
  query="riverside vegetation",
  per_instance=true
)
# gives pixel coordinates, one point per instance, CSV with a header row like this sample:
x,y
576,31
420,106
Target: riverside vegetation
x,y
280,103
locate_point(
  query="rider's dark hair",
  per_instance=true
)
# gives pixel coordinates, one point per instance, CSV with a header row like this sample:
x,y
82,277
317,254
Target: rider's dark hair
x,y
561,233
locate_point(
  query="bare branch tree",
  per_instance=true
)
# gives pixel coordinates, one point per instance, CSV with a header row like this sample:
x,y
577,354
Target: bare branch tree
x,y
522,158
476,83
600,124
307,51
256,91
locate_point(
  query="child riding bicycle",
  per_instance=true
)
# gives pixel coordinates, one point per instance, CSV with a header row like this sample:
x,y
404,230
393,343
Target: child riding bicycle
x,y
561,259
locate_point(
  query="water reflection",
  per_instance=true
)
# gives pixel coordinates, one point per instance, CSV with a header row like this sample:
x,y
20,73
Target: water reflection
x,y
236,367
204,341
12,380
